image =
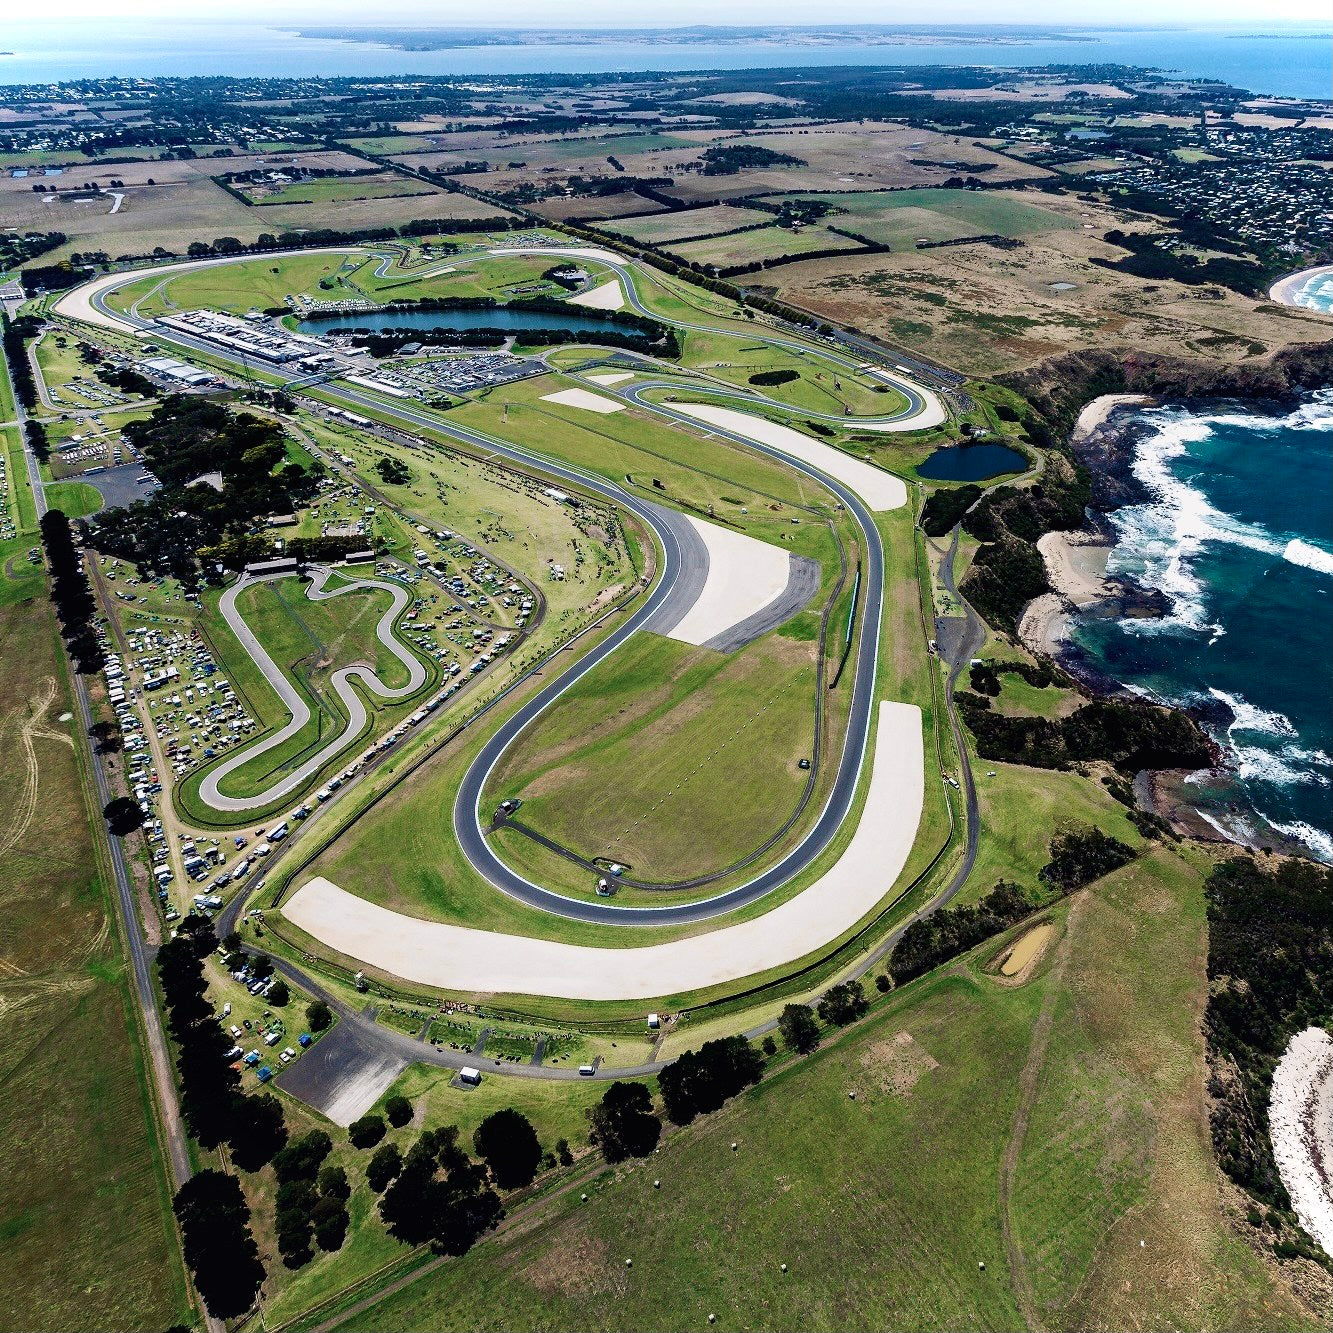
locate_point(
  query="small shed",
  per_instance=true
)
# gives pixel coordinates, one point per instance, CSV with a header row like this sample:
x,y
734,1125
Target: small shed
x,y
469,1075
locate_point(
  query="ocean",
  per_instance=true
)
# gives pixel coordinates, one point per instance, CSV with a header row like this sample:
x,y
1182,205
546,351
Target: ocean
x,y
1291,61
1238,533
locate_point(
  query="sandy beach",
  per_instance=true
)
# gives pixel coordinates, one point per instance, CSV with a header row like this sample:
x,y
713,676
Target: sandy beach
x,y
1076,567
1302,1131
1286,290
1095,413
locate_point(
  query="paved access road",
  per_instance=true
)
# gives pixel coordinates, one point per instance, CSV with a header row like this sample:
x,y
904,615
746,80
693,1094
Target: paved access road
x,y
294,701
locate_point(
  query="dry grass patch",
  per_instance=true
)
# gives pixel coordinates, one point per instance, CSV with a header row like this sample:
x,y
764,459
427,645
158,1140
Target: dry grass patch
x,y
898,1063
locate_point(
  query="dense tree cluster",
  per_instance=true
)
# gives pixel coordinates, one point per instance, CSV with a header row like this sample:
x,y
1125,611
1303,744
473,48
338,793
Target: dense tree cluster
x,y
768,378
311,1201
700,1081
367,1131
622,1124
185,439
71,593
1079,856
219,1249
13,335
729,158
843,1004
1130,734
1270,969
945,507
942,935
440,1196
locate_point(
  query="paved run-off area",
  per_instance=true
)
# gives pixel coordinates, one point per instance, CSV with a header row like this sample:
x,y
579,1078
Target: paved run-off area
x,y
461,959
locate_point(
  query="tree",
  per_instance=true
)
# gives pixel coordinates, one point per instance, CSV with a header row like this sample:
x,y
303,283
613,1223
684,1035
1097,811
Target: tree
x,y
562,1153
440,1195
769,1046
301,1160
398,1110
333,1183
259,1131
329,1220
318,1015
261,966
700,1081
843,1004
279,995
383,1166
296,1199
799,1029
623,1124
507,1143
219,1249
366,1132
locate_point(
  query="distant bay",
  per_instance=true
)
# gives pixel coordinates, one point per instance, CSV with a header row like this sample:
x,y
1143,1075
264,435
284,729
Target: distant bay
x,y
1290,61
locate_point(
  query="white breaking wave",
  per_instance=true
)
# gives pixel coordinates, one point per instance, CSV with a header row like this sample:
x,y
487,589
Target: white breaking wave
x,y
1288,767
1250,717
1301,552
1316,839
1166,536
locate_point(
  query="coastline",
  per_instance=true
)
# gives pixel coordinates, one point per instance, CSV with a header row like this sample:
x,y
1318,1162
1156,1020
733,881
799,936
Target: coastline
x,y
1285,290
1075,560
1208,804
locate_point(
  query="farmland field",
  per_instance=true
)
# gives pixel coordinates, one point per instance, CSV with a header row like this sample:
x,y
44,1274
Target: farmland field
x,y
335,189
899,218
747,247
662,228
87,1237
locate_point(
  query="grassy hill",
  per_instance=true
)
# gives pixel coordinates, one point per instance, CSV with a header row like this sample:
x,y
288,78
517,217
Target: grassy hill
x,y
1053,1131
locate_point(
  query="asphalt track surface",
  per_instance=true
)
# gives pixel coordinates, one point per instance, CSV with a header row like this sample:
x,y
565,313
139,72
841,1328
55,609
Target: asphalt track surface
x,y
470,821
292,699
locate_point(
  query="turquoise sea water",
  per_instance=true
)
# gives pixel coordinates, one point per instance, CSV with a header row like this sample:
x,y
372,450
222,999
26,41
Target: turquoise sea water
x,y
1292,61
1238,533
1316,292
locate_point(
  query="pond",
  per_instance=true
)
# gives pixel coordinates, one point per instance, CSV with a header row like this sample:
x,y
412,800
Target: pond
x,y
498,317
972,462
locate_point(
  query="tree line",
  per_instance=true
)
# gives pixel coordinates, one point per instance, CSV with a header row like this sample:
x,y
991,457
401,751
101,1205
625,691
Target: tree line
x,y
76,609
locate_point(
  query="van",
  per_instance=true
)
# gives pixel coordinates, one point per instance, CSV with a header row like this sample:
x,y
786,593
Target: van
x,y
587,1071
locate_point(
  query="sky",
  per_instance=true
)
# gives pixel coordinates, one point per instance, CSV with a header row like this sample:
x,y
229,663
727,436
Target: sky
x,y
675,13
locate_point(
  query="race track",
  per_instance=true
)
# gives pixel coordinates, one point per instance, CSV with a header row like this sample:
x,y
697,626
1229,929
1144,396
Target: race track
x,y
292,699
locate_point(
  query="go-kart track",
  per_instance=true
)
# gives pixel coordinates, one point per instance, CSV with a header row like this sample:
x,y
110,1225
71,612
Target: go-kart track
x,y
459,958
294,701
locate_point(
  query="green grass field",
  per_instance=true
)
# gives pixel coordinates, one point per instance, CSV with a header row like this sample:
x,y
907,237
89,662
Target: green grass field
x,y
87,1237
674,760
332,189
1041,1130
899,218
75,499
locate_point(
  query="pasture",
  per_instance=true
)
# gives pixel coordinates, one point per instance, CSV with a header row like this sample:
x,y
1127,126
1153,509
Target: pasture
x,y
899,218
768,243
663,228
885,1205
87,1236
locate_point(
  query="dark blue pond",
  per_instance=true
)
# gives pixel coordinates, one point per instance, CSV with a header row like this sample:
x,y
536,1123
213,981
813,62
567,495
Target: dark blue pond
x,y
499,317
972,462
